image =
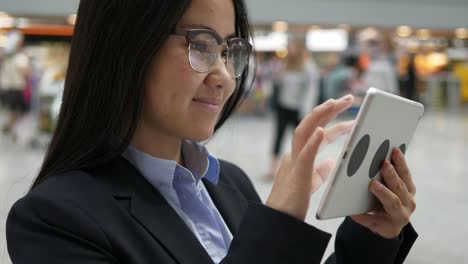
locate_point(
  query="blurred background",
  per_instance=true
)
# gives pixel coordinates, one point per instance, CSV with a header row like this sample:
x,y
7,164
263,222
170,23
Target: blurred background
x,y
307,51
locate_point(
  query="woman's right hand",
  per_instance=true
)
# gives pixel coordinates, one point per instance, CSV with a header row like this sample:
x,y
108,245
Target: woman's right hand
x,y
297,178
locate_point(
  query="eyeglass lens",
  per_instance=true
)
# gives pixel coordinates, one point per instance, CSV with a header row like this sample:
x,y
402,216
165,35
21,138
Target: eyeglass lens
x,y
204,49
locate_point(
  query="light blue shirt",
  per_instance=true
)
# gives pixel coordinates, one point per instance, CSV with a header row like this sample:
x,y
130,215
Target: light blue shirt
x,y
185,192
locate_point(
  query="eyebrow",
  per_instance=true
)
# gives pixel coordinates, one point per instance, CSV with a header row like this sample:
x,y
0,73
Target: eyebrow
x,y
230,36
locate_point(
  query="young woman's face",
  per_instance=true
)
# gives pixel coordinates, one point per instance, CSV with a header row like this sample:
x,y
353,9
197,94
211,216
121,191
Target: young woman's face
x,y
178,100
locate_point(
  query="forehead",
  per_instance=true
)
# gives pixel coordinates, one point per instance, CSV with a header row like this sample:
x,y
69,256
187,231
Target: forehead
x,y
216,14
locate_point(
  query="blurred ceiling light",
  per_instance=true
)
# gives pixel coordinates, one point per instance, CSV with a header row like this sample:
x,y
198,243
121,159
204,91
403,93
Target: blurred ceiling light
x,y
280,26
344,27
270,42
6,22
461,33
22,22
314,27
327,40
71,19
404,31
370,33
423,34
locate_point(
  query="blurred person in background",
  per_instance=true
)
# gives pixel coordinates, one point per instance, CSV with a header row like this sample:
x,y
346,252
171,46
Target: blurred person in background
x,y
381,73
262,87
126,178
409,79
14,81
297,93
336,83
356,84
331,63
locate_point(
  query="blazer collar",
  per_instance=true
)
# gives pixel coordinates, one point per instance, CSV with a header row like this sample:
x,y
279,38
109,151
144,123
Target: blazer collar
x,y
153,212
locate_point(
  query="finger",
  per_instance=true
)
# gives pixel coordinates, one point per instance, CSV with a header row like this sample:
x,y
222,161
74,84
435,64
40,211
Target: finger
x,y
306,159
340,129
390,201
321,173
325,168
340,106
308,125
319,117
395,184
403,171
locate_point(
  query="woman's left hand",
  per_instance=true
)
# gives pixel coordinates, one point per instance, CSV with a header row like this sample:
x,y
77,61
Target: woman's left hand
x,y
396,197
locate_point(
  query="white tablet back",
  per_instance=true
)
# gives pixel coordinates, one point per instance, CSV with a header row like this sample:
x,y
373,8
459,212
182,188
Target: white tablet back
x,y
385,122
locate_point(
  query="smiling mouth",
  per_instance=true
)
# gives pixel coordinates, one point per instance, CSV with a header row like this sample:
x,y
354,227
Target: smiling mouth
x,y
209,104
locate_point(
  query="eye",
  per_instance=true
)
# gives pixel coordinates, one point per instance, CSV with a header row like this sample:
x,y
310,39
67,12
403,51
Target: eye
x,y
200,46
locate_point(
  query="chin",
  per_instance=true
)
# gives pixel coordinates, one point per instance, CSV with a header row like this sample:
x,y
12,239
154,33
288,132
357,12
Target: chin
x,y
200,134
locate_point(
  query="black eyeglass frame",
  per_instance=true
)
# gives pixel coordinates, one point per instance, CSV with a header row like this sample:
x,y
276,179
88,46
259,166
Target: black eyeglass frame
x,y
189,34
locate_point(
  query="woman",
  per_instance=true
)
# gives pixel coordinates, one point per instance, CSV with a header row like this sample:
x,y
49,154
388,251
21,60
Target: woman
x,y
125,181
297,93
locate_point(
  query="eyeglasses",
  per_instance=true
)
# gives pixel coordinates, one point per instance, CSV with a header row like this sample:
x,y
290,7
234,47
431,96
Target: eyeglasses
x,y
204,46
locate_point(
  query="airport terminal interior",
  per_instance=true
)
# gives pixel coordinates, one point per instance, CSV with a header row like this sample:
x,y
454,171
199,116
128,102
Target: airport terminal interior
x,y
417,49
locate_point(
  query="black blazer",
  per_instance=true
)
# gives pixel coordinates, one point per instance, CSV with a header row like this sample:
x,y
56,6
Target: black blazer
x,y
111,214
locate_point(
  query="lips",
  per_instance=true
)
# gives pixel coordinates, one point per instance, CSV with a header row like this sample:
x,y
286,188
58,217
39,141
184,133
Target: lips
x,y
209,100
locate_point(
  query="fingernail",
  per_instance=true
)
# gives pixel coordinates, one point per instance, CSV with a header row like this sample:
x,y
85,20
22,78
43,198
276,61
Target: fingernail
x,y
383,166
318,131
386,164
377,185
347,97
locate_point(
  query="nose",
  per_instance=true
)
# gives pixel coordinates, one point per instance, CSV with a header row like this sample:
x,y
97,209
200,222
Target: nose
x,y
218,76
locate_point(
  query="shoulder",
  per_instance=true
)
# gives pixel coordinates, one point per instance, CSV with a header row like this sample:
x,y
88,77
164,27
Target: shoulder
x,y
70,195
71,185
70,191
60,204
233,175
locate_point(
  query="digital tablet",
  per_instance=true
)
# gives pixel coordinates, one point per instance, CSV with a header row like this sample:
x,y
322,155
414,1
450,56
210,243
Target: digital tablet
x,y
385,121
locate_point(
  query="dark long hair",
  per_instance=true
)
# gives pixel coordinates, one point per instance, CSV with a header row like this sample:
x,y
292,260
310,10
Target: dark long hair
x,y
113,45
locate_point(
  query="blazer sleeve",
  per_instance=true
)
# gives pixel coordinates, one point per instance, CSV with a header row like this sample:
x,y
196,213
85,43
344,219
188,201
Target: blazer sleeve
x,y
269,236
357,244
40,229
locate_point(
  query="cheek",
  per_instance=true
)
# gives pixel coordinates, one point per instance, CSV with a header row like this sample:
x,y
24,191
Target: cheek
x,y
171,65
172,78
170,86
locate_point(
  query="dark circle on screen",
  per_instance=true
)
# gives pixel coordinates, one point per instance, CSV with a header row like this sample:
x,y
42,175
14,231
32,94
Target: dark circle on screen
x,y
359,153
379,157
403,148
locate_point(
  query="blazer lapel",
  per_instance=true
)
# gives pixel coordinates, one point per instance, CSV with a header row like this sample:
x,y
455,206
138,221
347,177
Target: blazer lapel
x,y
229,202
153,212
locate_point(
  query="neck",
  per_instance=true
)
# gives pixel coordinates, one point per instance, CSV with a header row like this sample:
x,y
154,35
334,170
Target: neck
x,y
157,144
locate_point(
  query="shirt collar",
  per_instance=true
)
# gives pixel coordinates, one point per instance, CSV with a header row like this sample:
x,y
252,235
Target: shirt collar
x,y
200,162
161,172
